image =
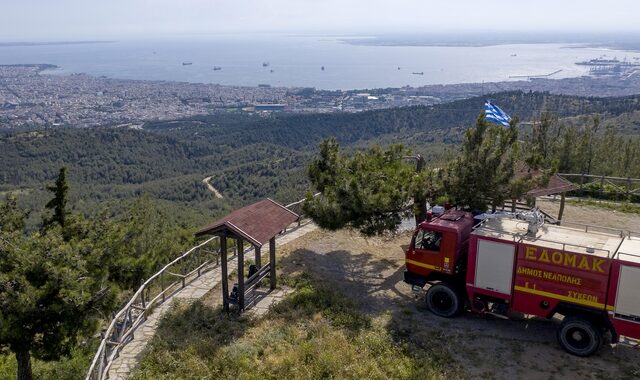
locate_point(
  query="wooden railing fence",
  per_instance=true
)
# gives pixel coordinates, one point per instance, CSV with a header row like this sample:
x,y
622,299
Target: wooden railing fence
x,y
155,291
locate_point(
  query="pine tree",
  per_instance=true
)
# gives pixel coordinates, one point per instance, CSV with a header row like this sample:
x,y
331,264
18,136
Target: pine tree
x,y
51,293
370,191
138,242
58,204
12,218
482,174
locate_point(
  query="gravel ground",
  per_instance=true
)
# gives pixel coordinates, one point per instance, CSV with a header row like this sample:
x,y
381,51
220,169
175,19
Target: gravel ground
x,y
370,271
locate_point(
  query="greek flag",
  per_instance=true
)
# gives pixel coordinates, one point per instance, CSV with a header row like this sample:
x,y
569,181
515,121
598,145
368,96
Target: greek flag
x,y
495,114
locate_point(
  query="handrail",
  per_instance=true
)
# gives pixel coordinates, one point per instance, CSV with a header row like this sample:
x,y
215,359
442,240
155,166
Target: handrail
x,y
601,230
109,347
105,355
519,238
594,228
565,245
301,201
300,215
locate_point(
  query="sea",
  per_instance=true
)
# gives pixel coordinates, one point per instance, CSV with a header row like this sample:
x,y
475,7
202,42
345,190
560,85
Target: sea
x,y
330,63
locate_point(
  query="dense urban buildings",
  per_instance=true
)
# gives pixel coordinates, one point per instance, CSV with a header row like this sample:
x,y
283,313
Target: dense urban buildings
x,y
32,98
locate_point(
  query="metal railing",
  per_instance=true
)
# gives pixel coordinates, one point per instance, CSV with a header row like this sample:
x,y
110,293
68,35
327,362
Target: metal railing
x,y
154,291
595,228
519,237
523,206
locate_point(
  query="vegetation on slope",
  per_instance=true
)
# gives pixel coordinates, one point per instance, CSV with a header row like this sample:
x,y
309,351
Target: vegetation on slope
x,y
60,282
73,367
251,157
315,333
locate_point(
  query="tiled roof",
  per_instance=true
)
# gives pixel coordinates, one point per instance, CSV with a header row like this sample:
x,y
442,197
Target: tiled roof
x,y
256,223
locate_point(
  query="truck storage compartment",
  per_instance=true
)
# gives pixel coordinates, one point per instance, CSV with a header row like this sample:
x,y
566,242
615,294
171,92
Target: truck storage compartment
x,y
628,297
494,266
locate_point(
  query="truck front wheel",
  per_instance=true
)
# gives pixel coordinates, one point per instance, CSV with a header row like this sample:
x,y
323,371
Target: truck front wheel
x,y
443,300
579,336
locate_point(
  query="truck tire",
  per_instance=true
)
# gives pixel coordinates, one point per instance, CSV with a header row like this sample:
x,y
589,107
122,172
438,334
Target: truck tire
x,y
444,301
579,336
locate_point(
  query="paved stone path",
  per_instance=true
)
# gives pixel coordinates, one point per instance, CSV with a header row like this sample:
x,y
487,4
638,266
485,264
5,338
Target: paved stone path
x,y
264,299
128,358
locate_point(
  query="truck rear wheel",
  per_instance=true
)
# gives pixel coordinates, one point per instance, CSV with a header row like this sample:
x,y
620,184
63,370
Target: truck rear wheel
x,y
579,336
444,301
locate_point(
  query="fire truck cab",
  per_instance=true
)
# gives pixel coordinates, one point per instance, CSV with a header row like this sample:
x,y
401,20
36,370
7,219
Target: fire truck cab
x,y
587,276
439,248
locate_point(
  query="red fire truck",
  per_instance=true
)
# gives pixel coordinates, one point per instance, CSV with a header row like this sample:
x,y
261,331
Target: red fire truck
x,y
587,275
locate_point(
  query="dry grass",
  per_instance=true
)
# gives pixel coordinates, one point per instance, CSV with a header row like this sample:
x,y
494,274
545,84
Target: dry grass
x,y
315,333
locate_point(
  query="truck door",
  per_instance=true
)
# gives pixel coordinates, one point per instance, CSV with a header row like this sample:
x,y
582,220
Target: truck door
x,y
428,246
494,266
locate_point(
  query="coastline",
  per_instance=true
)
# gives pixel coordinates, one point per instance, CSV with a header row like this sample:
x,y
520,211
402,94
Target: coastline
x,y
326,64
630,46
51,43
40,66
82,100
579,86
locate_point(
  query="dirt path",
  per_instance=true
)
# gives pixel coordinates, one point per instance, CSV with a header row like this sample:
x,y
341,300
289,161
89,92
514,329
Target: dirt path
x,y
592,215
207,182
370,271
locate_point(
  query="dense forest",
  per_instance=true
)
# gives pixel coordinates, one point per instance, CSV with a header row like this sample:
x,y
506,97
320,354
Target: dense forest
x,y
254,156
134,196
62,280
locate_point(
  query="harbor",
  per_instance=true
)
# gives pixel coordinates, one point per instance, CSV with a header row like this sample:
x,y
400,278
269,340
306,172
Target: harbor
x,y
535,76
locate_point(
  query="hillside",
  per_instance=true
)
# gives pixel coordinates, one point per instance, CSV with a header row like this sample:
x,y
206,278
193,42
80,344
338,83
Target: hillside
x,y
249,156
352,316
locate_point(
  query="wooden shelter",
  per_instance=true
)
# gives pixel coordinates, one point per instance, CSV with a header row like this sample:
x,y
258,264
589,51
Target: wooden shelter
x,y
256,224
556,185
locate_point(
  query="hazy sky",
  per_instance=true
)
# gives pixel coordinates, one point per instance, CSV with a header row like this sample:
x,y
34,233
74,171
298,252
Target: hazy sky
x,y
84,19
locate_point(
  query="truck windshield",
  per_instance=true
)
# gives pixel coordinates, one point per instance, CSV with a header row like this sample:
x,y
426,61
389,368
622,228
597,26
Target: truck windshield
x,y
429,240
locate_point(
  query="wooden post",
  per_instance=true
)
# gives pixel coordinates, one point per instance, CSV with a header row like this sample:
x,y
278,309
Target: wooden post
x,y
240,248
162,285
419,201
561,211
272,262
144,305
225,275
258,257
